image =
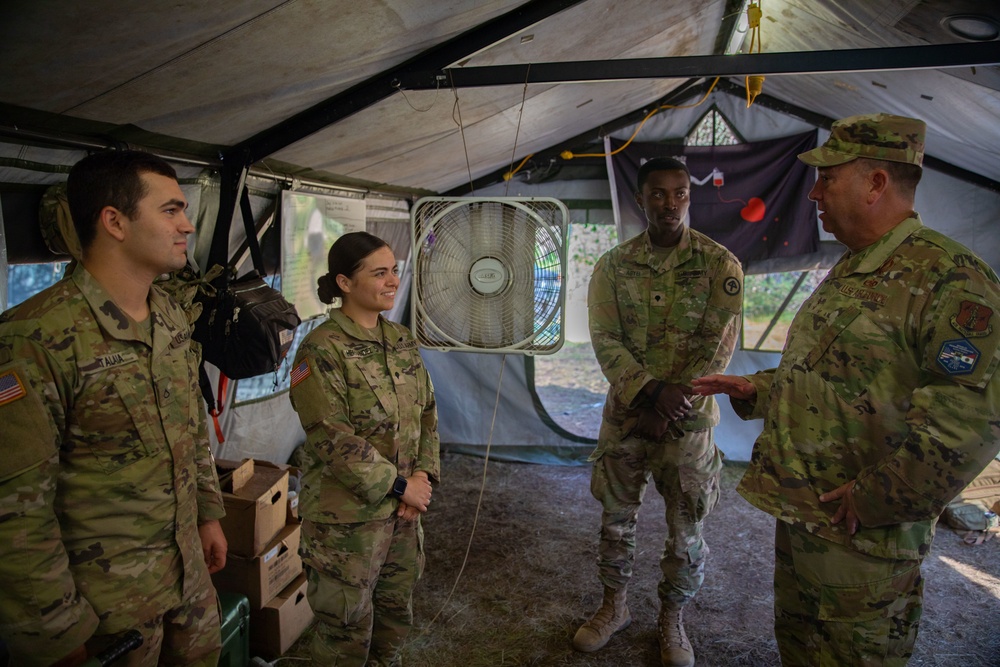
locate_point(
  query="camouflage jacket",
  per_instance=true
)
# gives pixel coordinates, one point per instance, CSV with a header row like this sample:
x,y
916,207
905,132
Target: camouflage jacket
x,y
105,470
367,405
888,377
665,316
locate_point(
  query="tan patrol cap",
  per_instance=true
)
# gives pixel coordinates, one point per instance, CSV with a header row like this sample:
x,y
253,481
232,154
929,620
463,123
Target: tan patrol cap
x,y
879,136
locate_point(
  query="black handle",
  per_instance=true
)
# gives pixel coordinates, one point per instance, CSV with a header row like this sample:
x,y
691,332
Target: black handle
x,y
129,641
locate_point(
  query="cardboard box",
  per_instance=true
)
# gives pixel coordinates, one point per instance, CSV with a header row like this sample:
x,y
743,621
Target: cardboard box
x,y
255,494
281,621
294,486
263,577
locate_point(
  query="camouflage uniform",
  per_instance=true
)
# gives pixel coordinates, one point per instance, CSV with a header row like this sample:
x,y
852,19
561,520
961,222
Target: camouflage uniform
x,y
105,474
888,377
367,405
671,316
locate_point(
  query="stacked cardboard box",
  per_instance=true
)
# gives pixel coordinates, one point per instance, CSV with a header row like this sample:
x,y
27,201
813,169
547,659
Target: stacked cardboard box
x,y
264,564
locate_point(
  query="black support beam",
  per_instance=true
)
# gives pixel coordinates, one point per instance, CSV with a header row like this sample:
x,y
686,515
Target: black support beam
x,y
683,67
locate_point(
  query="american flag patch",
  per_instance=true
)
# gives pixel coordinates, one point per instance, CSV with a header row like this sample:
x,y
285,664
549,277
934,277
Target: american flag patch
x,y
300,372
11,388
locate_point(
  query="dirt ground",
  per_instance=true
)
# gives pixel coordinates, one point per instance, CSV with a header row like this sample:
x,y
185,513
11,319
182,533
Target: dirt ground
x,y
530,580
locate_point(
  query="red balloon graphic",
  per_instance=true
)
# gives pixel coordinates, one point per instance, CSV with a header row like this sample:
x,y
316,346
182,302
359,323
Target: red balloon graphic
x,y
754,210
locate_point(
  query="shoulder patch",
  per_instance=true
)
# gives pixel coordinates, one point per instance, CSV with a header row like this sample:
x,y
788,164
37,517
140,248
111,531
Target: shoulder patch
x,y
958,357
11,387
300,372
972,319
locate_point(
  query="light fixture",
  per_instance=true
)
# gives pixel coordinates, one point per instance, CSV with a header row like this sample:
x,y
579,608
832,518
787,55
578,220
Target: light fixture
x,y
972,27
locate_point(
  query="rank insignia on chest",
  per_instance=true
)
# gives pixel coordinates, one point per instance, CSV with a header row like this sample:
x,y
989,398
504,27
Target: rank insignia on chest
x,y
958,357
11,387
972,320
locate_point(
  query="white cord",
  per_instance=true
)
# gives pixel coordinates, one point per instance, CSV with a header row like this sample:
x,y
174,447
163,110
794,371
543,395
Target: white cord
x,y
479,503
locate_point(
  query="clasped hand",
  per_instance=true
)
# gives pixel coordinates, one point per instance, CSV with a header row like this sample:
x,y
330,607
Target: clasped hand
x,y
416,498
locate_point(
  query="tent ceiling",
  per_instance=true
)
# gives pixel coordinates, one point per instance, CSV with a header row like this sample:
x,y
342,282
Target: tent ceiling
x,y
218,74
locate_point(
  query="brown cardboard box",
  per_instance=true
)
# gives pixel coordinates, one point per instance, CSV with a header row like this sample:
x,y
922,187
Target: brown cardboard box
x,y
263,577
282,620
294,486
255,494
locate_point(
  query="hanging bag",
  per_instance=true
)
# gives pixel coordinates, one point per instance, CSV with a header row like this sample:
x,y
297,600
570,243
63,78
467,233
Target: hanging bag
x,y
246,326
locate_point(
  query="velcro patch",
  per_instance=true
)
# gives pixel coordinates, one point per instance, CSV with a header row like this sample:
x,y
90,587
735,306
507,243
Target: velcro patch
x,y
300,372
11,387
972,320
958,357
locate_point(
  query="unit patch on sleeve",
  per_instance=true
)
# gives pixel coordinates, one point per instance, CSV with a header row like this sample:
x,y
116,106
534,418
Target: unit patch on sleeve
x,y
732,286
972,319
11,388
300,372
958,357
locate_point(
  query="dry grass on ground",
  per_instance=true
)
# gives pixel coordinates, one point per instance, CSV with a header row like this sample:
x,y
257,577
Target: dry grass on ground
x,y
530,580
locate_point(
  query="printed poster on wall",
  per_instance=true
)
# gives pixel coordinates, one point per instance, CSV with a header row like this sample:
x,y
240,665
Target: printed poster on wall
x,y
310,223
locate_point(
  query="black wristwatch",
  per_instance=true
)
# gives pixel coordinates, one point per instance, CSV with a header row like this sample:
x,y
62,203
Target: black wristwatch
x,y
398,487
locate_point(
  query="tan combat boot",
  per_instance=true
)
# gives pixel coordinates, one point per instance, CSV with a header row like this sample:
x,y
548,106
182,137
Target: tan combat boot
x,y
611,617
675,649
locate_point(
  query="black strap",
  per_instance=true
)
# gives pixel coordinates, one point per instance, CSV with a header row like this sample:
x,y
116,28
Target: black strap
x,y
251,229
206,386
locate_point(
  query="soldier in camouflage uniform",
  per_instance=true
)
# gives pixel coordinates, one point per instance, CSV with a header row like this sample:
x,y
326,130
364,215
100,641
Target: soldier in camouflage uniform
x,y
885,404
367,405
109,501
664,308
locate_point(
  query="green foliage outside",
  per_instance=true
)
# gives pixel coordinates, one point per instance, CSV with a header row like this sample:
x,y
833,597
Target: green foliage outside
x,y
587,242
764,294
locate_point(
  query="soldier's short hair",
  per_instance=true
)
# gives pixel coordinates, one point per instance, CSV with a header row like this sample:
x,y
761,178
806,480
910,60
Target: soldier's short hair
x,y
659,164
345,257
109,178
904,176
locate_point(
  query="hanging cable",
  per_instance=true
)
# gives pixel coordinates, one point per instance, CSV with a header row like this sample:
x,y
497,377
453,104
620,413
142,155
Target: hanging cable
x,y
569,155
517,133
456,110
754,14
399,86
479,503
503,363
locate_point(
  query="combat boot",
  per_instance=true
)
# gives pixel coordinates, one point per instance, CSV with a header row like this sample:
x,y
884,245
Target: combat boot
x,y
675,649
611,617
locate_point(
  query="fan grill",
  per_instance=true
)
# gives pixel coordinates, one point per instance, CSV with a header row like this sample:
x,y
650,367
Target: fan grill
x,y
488,274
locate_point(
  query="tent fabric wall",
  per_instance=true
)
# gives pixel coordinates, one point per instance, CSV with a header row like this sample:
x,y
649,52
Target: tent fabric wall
x,y
466,389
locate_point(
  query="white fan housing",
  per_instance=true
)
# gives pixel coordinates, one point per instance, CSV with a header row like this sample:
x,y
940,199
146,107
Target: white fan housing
x,y
488,274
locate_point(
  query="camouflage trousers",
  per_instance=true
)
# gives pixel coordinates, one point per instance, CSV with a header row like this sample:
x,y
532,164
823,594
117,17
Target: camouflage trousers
x,y
686,473
361,579
834,606
188,635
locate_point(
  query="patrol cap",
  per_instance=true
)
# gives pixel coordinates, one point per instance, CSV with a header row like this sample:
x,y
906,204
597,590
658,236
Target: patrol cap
x,y
879,136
